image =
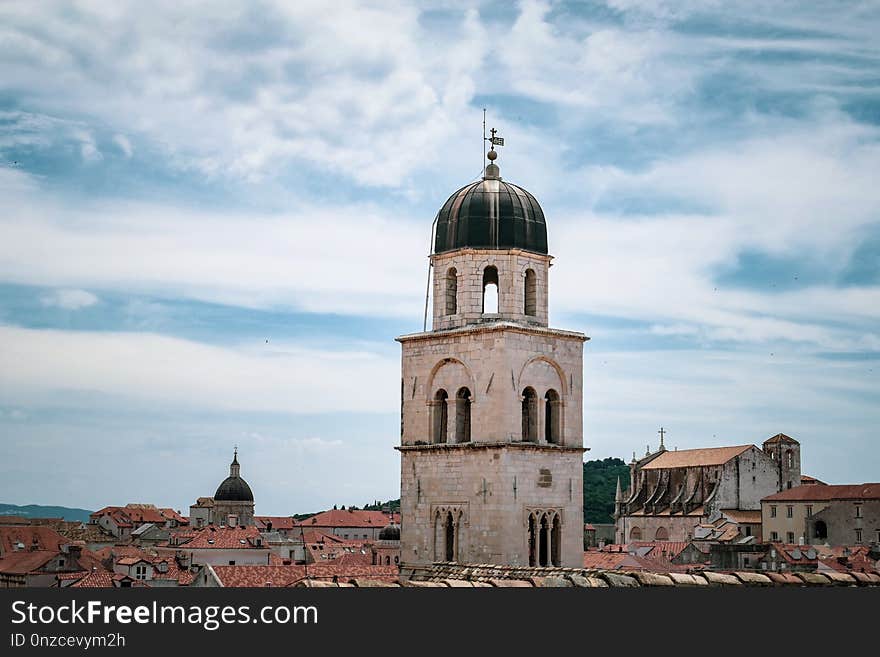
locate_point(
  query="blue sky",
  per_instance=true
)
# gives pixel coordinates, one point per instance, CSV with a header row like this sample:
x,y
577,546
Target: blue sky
x,y
215,219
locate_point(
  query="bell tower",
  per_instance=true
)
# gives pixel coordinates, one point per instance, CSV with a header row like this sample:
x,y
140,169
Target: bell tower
x,y
491,432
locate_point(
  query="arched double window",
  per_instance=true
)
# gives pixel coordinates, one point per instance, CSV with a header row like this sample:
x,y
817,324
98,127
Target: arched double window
x,y
490,290
529,415
440,420
451,291
544,538
463,416
531,293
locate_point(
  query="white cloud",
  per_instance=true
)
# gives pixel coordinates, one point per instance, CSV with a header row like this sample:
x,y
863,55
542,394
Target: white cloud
x,y
124,144
69,299
53,366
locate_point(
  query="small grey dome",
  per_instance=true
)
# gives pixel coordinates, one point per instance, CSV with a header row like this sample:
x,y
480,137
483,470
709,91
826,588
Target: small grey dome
x,y
390,533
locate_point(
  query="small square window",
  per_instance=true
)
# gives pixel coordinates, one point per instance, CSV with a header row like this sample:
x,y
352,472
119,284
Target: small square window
x,y
774,536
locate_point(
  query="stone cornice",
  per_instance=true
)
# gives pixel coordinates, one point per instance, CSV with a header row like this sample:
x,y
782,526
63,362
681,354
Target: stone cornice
x,y
451,447
471,329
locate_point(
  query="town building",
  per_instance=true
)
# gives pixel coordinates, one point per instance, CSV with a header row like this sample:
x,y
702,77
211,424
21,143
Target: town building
x,y
33,555
817,514
227,545
491,420
671,493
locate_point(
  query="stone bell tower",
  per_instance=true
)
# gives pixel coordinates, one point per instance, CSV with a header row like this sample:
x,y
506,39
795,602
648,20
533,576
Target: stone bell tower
x,y
491,432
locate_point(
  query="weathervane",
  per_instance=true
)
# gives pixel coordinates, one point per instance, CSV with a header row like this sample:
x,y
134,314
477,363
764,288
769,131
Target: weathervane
x,y
493,141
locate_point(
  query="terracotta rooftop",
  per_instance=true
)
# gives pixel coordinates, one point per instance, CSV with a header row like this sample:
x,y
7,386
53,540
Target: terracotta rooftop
x,y
780,438
826,493
283,576
346,518
740,516
278,522
687,458
225,538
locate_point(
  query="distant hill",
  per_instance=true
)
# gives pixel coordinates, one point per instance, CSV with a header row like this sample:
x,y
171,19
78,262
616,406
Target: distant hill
x,y
600,483
37,511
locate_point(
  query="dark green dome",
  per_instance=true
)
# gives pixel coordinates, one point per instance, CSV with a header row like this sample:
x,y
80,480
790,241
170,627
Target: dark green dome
x,y
491,214
234,489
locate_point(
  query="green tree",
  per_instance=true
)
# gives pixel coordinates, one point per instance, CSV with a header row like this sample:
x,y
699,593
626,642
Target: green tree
x,y
600,483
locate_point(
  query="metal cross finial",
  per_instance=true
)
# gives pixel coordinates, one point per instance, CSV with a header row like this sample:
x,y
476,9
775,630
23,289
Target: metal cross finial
x,y
662,433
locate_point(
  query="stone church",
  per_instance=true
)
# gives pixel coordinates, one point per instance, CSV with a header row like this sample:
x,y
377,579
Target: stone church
x,y
232,504
671,492
491,397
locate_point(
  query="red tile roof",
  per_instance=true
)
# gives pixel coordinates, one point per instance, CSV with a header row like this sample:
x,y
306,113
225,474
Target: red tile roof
x,y
740,516
687,458
781,438
99,579
284,576
224,538
26,561
826,493
340,518
278,522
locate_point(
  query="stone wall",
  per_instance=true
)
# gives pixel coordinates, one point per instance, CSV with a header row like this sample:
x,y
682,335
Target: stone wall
x,y
491,489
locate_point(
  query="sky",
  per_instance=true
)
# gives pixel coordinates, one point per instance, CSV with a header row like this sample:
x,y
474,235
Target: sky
x,y
215,219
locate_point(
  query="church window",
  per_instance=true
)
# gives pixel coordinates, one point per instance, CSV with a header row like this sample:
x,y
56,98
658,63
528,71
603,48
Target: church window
x,y
531,292
661,534
451,291
490,290
543,540
551,417
441,418
556,539
529,415
463,416
635,534
533,542
450,537
789,459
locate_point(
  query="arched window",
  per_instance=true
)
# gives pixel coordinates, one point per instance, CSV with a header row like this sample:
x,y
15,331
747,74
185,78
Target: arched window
x,y
490,290
387,561
533,542
531,293
396,560
661,534
544,539
450,537
440,416
463,416
552,433
635,534
789,459
529,415
555,536
451,291
821,529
